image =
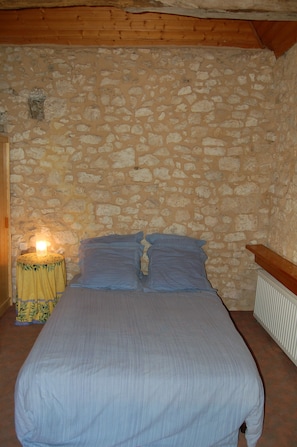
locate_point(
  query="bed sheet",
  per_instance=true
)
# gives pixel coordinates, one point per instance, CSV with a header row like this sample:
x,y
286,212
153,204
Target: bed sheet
x,y
135,369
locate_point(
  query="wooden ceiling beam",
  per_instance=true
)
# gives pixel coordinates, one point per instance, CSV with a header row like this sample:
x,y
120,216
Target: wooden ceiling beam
x,y
277,36
75,25
106,26
275,10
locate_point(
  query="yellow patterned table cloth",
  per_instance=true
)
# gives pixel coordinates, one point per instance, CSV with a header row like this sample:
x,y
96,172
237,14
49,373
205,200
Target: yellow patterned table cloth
x,y
40,283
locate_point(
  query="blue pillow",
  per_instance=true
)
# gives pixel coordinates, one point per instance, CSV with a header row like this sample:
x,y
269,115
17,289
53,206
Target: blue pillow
x,y
113,238
175,264
113,266
174,240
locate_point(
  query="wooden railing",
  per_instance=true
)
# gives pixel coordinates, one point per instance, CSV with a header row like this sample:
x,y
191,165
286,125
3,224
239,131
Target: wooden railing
x,y
281,269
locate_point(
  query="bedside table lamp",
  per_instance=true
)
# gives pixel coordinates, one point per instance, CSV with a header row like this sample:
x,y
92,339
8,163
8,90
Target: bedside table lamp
x,y
41,247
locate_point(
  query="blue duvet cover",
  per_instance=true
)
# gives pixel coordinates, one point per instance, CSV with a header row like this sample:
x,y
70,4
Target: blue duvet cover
x,y
135,369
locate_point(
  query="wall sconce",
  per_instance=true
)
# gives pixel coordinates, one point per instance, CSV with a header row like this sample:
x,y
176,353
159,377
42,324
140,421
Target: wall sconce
x,y
41,246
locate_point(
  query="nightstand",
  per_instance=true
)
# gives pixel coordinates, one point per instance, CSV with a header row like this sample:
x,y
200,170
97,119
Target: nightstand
x,y
40,281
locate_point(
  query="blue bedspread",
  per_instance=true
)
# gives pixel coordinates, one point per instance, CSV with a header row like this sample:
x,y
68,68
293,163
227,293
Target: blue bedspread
x,y
132,369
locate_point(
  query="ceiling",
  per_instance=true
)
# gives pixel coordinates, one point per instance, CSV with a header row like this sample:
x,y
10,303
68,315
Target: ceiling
x,y
253,24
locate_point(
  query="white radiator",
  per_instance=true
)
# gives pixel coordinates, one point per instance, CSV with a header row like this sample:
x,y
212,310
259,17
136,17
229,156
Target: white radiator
x,y
276,310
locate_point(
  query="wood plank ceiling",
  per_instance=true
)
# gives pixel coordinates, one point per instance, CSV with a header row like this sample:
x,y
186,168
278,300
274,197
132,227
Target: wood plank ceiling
x,y
135,23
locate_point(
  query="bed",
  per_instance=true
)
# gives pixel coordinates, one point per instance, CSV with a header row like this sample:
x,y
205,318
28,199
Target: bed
x,y
149,361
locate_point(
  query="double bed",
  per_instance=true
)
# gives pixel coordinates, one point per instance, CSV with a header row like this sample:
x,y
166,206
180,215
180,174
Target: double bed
x,y
139,362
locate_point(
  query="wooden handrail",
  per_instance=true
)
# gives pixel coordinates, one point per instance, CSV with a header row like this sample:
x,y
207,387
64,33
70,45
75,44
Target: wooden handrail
x,y
280,268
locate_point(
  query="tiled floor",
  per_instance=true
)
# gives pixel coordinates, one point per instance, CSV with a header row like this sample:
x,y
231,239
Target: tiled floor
x,y
279,376
278,372
15,344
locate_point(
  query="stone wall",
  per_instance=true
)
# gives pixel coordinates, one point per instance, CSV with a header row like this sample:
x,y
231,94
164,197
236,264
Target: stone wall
x,y
282,235
121,140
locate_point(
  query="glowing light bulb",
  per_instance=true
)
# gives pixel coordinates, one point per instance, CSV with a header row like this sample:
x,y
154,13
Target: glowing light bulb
x,y
41,248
